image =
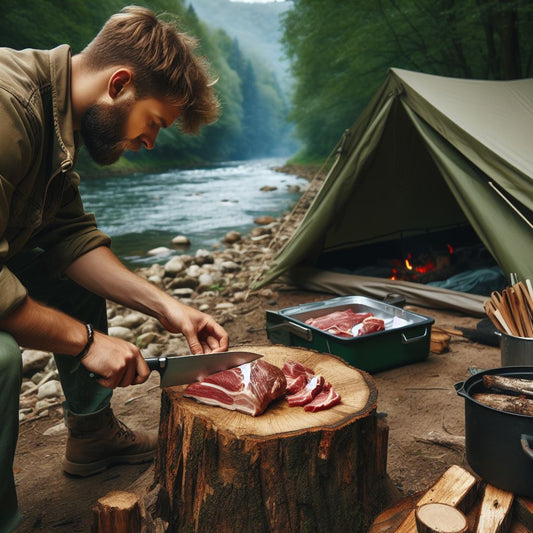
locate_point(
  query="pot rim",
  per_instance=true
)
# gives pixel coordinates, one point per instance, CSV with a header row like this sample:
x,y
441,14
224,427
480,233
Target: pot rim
x,y
502,334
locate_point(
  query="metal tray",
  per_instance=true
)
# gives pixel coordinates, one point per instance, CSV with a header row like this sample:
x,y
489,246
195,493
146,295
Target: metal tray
x,y
405,340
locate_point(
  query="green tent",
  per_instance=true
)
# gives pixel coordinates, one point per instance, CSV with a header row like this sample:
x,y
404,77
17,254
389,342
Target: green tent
x,y
428,153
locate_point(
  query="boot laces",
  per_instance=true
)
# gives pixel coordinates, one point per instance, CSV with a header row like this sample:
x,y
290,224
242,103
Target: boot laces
x,y
123,431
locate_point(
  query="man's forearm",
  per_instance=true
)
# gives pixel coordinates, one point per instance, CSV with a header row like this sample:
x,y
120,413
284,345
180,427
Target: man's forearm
x,y
101,272
36,326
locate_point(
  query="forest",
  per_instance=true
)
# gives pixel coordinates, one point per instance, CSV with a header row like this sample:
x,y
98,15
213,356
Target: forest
x,y
253,121
339,54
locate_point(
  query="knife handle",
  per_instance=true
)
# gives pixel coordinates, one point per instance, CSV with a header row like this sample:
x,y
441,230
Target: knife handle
x,y
156,363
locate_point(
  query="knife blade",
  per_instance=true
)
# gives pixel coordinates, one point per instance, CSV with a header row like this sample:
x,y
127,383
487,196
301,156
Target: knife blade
x,y
180,370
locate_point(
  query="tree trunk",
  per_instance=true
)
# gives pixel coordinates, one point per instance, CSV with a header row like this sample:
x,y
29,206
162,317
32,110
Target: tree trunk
x,y
287,470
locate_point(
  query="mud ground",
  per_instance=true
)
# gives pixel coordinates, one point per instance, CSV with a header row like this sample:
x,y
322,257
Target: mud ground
x,y
416,400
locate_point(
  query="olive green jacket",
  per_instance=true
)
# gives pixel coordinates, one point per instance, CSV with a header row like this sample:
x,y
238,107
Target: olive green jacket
x,y
40,204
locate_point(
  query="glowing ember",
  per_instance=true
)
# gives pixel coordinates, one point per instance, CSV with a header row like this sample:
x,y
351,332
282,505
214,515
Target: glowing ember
x,y
413,268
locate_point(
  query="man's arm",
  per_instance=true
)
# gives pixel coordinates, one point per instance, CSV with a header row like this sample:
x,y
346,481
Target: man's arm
x,y
33,325
101,272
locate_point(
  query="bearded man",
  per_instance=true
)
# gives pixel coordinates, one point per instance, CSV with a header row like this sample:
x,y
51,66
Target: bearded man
x,y
137,76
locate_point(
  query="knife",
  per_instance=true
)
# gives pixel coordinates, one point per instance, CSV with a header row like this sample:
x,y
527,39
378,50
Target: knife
x,y
183,369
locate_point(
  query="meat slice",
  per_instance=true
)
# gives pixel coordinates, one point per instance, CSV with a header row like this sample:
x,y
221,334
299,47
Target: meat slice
x,y
305,395
297,376
338,323
325,399
248,388
371,325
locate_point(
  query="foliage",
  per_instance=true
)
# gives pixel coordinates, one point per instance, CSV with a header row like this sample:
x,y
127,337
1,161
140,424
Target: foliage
x,y
340,52
253,118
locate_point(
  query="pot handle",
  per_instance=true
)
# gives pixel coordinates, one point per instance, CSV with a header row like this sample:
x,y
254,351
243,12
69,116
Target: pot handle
x,y
405,340
460,389
524,441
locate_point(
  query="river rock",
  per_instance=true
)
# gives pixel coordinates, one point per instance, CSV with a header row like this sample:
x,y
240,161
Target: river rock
x,y
193,271
183,282
147,338
232,237
261,231
230,266
122,333
203,257
183,292
224,306
174,266
34,360
181,240
58,429
264,220
205,281
160,250
268,188
131,320
50,389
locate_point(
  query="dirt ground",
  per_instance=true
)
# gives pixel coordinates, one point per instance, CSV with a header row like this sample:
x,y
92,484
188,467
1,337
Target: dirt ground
x,y
415,399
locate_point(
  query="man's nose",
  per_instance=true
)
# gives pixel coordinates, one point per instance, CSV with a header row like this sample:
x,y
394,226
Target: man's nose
x,y
149,141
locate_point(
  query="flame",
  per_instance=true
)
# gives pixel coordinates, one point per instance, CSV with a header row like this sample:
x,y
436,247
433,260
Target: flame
x,y
450,248
408,265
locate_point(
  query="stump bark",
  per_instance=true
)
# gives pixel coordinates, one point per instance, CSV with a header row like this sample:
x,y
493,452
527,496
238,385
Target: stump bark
x,y
287,470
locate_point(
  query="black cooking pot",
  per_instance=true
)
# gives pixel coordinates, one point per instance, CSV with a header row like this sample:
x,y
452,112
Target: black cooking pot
x,y
498,444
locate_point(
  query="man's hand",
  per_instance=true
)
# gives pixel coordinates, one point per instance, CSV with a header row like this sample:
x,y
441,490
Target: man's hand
x,y
202,332
117,362
101,272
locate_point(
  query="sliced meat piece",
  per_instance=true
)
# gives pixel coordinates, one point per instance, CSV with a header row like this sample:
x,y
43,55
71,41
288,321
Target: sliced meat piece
x,y
304,396
297,376
248,388
338,323
325,399
371,325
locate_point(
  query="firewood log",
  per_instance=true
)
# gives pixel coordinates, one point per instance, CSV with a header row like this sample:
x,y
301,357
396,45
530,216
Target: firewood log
x,y
504,402
119,512
524,512
456,487
495,515
440,517
519,386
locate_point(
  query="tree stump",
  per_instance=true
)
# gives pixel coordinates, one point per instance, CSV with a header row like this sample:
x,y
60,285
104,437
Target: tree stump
x,y
286,470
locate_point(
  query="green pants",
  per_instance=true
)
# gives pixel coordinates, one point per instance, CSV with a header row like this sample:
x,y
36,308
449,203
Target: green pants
x,y
82,393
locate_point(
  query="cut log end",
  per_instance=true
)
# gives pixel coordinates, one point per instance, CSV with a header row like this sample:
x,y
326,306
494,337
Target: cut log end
x,y
440,518
119,512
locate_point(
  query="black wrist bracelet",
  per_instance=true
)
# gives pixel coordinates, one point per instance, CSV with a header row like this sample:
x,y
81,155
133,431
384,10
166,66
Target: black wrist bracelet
x,y
90,338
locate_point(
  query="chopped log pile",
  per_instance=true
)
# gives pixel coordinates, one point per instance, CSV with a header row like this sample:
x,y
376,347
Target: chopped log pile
x,y
485,508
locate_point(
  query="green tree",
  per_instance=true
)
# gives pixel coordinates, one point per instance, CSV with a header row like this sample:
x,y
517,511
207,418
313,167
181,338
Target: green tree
x,y
340,52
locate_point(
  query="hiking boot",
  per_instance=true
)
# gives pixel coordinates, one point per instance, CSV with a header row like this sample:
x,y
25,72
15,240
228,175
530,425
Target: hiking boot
x,y
99,440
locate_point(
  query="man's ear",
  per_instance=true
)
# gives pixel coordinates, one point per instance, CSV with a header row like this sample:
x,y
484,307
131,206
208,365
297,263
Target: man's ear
x,y
120,79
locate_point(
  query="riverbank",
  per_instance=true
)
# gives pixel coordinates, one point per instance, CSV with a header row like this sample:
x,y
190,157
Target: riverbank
x,y
416,400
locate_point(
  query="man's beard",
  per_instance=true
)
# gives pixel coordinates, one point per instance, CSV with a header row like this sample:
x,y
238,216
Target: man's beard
x,y
103,130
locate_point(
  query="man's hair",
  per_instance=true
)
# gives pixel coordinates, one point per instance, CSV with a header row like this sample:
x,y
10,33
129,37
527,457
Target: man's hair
x,y
162,60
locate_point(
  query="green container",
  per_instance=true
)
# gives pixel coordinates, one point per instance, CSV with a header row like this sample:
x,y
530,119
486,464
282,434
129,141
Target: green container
x,y
405,340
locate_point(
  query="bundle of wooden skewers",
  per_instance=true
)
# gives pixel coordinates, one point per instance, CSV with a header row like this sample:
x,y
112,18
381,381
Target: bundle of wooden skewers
x,y
511,311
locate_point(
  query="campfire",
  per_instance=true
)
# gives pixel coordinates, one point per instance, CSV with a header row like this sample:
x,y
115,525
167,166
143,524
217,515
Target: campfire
x,y
423,267
425,258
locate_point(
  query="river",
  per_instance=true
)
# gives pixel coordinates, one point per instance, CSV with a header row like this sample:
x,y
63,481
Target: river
x,y
145,211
